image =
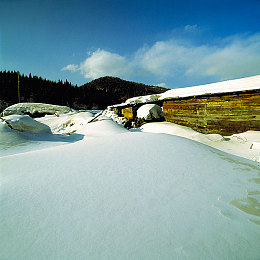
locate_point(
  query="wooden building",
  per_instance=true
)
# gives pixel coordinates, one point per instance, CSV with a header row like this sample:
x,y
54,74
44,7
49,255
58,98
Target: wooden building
x,y
224,108
224,113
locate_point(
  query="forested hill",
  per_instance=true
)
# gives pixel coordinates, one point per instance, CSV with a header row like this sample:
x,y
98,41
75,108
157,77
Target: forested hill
x,y
96,94
111,90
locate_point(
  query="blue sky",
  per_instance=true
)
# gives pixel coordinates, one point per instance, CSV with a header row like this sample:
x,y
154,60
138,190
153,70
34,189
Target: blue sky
x,y
174,43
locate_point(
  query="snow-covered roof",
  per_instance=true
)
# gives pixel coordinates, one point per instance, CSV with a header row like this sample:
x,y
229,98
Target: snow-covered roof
x,y
139,100
236,85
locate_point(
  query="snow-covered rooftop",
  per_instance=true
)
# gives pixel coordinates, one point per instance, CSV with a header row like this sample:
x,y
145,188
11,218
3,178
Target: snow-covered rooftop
x,y
235,85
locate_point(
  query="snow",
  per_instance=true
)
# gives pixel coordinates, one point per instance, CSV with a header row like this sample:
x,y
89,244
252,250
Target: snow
x,y
243,84
66,123
244,144
109,112
26,124
249,83
34,108
116,194
149,112
139,100
14,141
255,145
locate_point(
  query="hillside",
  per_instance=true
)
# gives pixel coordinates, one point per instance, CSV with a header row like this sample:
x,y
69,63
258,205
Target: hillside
x,y
96,94
110,90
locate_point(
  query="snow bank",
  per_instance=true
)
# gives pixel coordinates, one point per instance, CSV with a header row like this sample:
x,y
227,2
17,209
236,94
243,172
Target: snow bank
x,y
244,144
111,114
30,135
149,112
10,138
131,196
25,123
67,123
103,127
36,108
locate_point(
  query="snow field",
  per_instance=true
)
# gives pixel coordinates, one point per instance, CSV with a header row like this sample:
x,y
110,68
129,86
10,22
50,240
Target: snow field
x,y
122,195
244,144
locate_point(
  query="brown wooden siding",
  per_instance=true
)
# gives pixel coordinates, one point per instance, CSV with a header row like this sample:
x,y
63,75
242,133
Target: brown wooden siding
x,y
224,114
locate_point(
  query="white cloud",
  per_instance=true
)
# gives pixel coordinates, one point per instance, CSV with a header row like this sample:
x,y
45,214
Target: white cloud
x,y
238,57
191,28
168,58
71,67
104,63
176,60
232,57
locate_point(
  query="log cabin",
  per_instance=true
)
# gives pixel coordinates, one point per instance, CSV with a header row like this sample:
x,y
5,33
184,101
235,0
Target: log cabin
x,y
225,108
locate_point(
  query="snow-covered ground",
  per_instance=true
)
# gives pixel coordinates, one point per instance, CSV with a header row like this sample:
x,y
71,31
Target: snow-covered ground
x,y
246,144
98,191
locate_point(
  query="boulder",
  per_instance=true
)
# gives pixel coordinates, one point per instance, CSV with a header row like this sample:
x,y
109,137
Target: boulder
x,y
149,112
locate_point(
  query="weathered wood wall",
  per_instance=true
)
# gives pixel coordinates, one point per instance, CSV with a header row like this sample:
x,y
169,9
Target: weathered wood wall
x,y
224,114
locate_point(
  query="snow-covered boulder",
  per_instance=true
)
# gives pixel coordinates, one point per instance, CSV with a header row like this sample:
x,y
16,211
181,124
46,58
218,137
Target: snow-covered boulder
x,y
35,109
24,123
149,112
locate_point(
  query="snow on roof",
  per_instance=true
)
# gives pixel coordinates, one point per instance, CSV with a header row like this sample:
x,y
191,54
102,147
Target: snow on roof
x,y
32,108
139,100
236,85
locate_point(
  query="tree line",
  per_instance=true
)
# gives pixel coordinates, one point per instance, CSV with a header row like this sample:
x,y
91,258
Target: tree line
x,y
97,94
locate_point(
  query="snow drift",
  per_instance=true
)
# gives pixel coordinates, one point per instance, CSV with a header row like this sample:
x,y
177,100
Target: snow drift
x,y
26,124
244,144
118,194
35,109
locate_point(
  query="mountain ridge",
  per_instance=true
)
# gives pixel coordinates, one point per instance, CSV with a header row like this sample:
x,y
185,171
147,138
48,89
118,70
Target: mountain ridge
x,y
96,94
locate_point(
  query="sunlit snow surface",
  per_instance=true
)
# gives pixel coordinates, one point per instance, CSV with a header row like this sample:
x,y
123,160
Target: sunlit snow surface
x,y
116,194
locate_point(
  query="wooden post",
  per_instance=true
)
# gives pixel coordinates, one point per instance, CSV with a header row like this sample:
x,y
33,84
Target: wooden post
x,y
18,88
